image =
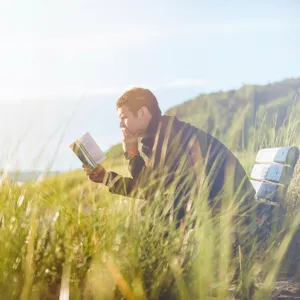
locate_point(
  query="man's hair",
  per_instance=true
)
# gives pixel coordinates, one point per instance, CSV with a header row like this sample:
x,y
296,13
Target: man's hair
x,y
136,98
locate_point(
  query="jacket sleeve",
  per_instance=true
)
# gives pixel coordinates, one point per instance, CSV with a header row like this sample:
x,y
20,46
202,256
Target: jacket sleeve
x,y
128,186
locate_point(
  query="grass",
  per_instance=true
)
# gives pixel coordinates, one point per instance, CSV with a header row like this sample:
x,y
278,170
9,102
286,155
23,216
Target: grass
x,y
68,238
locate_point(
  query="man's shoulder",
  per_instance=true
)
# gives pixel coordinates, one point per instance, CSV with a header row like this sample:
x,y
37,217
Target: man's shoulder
x,y
175,122
178,125
187,130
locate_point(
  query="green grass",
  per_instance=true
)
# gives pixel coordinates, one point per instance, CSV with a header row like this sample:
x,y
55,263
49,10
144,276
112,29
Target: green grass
x,y
69,236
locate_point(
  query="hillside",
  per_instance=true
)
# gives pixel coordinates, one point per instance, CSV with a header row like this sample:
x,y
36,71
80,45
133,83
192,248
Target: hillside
x,y
253,106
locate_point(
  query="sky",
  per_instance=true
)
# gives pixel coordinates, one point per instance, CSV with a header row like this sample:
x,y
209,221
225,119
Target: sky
x,y
63,64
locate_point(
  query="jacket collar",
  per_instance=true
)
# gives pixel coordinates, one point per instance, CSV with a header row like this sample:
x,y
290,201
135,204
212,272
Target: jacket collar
x,y
148,140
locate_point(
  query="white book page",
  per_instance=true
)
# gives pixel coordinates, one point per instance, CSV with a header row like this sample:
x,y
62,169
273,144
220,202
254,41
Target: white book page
x,y
92,148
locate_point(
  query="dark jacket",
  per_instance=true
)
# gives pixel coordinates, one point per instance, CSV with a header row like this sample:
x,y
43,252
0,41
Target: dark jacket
x,y
180,155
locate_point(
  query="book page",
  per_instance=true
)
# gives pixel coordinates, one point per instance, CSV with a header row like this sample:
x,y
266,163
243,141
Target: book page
x,y
92,148
87,150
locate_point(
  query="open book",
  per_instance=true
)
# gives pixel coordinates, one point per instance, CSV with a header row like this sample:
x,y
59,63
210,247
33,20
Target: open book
x,y
87,150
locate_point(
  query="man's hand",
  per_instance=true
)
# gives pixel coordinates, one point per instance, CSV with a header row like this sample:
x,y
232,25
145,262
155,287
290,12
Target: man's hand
x,y
98,174
130,142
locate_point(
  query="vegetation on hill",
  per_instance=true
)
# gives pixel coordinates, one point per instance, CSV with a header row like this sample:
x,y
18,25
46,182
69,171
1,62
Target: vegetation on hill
x,y
252,107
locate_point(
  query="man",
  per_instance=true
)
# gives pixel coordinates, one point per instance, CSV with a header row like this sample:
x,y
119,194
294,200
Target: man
x,y
176,161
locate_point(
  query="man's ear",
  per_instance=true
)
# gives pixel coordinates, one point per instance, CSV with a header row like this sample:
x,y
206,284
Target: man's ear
x,y
143,112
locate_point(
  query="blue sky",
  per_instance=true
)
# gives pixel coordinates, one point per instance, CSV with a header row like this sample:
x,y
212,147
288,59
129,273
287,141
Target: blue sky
x,y
54,54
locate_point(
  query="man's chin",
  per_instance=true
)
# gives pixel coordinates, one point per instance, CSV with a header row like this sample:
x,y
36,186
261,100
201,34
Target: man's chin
x,y
140,133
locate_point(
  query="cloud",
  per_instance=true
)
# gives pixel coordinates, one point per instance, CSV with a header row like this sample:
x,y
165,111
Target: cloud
x,y
104,40
101,40
29,48
67,93
180,83
9,95
186,82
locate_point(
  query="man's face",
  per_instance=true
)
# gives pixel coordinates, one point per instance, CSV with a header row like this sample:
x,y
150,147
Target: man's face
x,y
129,121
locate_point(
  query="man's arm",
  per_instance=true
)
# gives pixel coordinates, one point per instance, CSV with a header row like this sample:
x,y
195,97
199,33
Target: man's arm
x,y
136,165
127,186
116,183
